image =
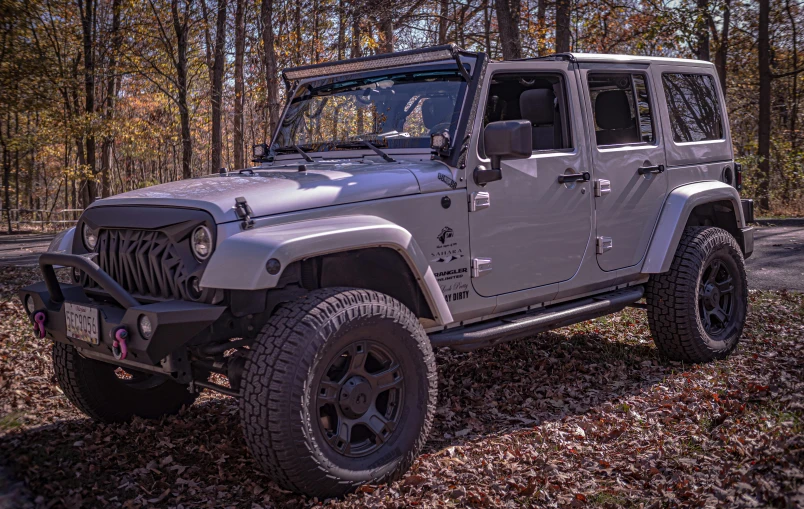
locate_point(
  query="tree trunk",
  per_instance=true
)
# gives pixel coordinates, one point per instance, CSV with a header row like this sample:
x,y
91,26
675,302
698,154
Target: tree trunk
x,y
541,20
722,55
764,106
387,28
239,89
508,22
794,91
562,26
269,59
442,22
88,12
4,142
702,31
112,86
181,28
357,52
217,84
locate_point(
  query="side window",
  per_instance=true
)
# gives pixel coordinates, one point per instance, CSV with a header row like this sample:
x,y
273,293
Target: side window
x,y
621,109
693,107
538,98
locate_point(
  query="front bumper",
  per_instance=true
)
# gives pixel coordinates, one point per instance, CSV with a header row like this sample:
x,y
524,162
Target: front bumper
x,y
175,322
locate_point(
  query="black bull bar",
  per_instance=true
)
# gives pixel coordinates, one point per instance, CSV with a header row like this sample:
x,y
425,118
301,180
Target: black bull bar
x,y
173,322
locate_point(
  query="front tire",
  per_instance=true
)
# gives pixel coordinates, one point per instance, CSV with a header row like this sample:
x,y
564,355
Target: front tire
x,y
106,393
697,309
339,390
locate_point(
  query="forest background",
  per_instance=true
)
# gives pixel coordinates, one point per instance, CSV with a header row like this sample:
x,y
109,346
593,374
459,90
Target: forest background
x,y
99,97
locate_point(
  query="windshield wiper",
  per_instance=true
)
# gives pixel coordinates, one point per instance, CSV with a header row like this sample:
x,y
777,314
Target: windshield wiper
x,y
378,151
303,153
369,145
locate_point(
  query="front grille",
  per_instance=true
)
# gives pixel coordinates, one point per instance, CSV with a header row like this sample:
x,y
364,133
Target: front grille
x,y
144,262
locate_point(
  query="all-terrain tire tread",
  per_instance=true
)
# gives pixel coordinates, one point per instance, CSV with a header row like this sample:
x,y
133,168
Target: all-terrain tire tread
x,y
672,317
76,378
279,363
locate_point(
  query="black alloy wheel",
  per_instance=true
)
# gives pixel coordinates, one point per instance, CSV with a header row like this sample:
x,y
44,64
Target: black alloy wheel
x,y
716,298
359,397
697,309
339,390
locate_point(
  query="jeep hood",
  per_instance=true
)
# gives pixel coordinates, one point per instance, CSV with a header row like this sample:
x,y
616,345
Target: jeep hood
x,y
275,190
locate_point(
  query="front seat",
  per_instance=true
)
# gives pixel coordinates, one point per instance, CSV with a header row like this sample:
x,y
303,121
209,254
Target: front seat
x,y
613,117
538,106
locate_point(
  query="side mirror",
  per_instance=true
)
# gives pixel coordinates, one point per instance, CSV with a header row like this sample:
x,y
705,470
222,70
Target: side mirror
x,y
508,139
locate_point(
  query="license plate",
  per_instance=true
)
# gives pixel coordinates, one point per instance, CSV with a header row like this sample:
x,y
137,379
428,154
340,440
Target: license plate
x,y
82,322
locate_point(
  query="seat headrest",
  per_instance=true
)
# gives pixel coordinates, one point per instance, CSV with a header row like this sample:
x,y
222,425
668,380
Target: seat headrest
x,y
538,106
612,110
437,110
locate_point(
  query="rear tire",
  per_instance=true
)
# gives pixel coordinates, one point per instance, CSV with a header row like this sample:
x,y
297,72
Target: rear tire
x,y
339,390
697,309
98,391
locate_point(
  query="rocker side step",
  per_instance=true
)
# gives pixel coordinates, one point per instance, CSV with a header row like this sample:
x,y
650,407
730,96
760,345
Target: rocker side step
x,y
492,332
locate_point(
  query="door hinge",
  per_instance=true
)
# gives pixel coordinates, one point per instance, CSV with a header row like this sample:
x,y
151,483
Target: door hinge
x,y
480,266
603,244
479,200
602,187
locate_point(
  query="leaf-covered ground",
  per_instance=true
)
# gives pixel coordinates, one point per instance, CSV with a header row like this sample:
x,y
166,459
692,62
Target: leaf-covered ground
x,y
584,416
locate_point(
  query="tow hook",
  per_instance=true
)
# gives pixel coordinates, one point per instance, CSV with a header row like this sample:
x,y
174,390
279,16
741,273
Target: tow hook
x,y
39,319
119,347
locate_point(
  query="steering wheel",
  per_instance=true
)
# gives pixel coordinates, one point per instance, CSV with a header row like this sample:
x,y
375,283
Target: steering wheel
x,y
441,127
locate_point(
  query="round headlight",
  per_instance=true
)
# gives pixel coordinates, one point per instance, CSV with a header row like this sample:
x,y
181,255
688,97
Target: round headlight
x,y
90,237
146,327
201,243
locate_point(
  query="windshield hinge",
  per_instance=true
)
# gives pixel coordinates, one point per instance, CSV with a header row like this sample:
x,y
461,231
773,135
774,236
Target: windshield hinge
x,y
244,212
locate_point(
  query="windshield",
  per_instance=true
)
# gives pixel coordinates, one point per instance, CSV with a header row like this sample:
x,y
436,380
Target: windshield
x,y
397,110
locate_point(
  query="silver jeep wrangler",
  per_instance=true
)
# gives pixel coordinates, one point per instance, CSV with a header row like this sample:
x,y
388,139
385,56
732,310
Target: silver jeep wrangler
x,y
421,199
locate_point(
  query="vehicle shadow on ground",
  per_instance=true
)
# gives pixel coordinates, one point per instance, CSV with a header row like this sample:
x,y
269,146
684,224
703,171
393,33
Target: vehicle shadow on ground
x,y
202,453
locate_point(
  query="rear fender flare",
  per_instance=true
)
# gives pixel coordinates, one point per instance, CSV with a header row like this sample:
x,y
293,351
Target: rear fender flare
x,y
239,262
674,216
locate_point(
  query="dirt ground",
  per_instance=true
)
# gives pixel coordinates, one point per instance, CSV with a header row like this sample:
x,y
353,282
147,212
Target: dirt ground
x,y
586,416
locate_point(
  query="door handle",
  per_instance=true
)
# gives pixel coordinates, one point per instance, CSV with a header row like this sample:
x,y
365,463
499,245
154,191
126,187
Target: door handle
x,y
643,170
574,177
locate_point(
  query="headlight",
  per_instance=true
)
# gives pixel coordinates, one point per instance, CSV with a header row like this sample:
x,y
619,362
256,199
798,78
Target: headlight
x,y
90,237
201,243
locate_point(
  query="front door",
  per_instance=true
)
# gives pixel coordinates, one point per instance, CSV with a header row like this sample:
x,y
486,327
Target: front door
x,y
535,230
628,159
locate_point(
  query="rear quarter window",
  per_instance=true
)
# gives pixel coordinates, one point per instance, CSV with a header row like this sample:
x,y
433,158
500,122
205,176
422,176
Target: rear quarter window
x,y
693,107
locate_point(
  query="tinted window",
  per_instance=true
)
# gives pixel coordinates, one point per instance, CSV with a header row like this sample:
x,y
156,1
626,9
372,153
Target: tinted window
x,y
693,107
621,109
537,98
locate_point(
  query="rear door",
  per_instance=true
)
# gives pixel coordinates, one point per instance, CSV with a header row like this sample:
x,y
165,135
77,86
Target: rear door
x,y
628,159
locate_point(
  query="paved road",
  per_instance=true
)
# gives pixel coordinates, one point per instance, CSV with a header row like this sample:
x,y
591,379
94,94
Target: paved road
x,y
22,250
778,259
777,262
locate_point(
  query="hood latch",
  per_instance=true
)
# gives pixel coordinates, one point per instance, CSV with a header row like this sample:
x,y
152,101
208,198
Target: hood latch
x,y
244,212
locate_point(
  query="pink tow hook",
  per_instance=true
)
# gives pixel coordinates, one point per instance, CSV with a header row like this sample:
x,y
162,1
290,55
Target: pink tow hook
x,y
39,323
119,347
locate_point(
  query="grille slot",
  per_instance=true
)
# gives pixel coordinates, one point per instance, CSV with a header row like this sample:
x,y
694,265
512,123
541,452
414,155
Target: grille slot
x,y
144,262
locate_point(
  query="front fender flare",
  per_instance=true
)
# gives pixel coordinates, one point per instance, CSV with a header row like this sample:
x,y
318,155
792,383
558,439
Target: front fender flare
x,y
238,263
673,219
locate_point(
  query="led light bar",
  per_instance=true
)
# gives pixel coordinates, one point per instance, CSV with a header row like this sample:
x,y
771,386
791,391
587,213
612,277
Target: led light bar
x,y
416,56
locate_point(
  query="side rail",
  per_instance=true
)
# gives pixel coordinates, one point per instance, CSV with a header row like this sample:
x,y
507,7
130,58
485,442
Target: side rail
x,y
703,203
255,259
